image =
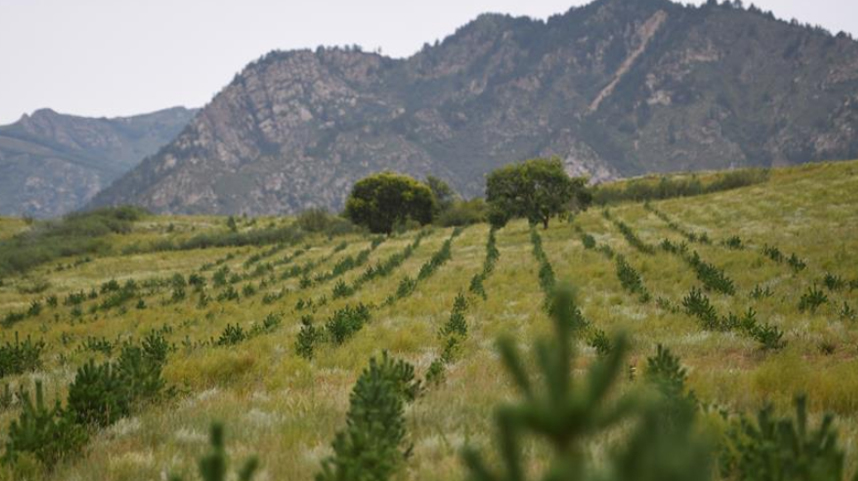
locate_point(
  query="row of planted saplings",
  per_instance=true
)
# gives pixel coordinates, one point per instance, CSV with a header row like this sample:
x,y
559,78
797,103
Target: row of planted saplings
x,y
628,276
662,422
547,282
714,279
454,331
346,322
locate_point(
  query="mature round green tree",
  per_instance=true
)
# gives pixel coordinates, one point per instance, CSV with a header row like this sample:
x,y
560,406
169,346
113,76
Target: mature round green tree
x,y
537,190
382,200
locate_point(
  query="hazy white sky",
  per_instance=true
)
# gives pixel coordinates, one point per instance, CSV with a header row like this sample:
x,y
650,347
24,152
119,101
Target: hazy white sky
x,y
123,57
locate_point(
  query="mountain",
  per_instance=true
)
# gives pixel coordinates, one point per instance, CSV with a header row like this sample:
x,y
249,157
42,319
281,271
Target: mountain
x,y
53,163
616,88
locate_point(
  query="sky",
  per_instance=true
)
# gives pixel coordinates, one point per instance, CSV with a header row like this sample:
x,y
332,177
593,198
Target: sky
x,y
123,57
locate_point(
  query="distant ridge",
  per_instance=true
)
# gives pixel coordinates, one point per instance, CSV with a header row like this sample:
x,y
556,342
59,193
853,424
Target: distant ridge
x,y
52,163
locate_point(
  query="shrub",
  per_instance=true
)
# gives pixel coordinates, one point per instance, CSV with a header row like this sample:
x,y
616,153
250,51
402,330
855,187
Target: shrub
x,y
812,299
20,357
759,293
773,253
601,343
99,395
631,280
797,264
464,213
231,335
341,289
456,324
734,242
546,272
405,288
97,344
833,282
140,370
346,322
769,336
74,234
697,305
12,318
784,449
847,313
664,187
48,434
370,447
435,373
307,338
228,294
476,286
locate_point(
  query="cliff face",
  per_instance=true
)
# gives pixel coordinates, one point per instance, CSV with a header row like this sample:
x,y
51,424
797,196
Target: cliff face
x,y
52,163
615,88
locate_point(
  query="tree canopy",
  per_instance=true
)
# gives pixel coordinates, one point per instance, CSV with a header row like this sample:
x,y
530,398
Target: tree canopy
x,y
382,200
537,190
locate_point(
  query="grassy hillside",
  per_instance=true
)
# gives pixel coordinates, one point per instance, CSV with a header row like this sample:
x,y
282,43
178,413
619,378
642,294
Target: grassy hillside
x,y
287,409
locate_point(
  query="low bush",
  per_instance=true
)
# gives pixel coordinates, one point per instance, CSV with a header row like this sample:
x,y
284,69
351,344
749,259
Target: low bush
x,y
345,322
631,280
19,357
49,434
812,299
371,445
308,337
74,234
664,187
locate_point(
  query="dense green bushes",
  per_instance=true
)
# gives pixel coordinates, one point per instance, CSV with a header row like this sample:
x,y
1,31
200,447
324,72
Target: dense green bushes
x,y
463,212
74,234
788,449
47,433
320,221
652,188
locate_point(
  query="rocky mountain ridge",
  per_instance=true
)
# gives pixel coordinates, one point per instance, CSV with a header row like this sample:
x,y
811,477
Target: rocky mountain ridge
x,y
616,88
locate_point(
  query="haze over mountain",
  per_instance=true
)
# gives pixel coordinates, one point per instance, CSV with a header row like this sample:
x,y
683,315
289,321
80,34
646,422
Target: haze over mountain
x,y
616,88
52,163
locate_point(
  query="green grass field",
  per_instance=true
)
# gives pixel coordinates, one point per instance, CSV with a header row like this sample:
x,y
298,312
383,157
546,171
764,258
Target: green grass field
x,y
286,409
